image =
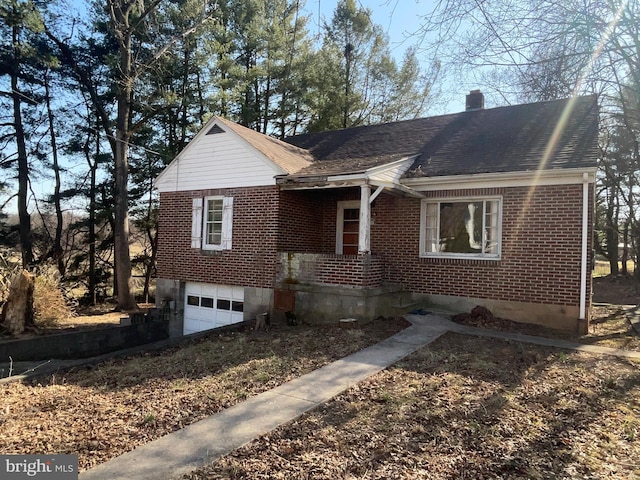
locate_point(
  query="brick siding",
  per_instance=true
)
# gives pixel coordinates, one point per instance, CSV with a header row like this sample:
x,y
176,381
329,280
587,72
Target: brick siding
x,y
540,257
301,220
541,248
252,260
361,271
308,219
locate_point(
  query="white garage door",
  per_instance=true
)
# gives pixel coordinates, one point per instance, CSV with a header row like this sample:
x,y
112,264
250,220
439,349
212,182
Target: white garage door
x,y
211,306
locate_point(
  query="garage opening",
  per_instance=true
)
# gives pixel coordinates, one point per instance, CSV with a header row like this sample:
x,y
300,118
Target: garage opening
x,y
211,306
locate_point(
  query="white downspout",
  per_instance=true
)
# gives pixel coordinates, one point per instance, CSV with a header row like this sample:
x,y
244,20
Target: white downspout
x,y
364,239
585,243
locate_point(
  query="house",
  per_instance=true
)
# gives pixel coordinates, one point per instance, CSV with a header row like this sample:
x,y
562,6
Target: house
x,y
489,207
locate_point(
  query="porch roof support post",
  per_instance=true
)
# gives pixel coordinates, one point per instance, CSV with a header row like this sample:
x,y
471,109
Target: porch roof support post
x,y
364,234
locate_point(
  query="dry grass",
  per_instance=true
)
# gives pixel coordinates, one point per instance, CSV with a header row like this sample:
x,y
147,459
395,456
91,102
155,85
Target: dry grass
x,y
610,327
616,290
49,303
602,268
104,411
93,316
463,408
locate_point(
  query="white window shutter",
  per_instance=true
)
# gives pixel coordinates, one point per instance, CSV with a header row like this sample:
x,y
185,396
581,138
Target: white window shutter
x,y
196,223
227,222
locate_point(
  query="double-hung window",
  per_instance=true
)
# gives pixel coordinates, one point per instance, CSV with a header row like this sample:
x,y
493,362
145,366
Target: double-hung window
x,y
211,226
213,222
462,228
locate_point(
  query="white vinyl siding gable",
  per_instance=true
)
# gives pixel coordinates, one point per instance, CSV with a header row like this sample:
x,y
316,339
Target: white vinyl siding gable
x,y
461,228
221,160
212,223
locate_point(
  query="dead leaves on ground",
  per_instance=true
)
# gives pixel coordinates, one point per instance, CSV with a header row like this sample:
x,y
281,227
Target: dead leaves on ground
x,y
103,411
464,408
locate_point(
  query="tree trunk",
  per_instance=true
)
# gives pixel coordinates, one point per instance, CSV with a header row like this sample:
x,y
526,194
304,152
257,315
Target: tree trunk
x,y
611,232
625,248
91,227
56,249
122,259
348,54
18,311
26,244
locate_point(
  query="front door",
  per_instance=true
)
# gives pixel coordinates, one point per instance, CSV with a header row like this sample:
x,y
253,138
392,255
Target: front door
x,y
348,226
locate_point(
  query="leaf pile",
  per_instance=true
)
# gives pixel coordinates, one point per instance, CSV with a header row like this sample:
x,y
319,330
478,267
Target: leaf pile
x,y
609,326
103,411
464,408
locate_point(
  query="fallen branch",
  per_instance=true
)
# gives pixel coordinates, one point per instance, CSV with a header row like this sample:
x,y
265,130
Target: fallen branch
x,y
34,368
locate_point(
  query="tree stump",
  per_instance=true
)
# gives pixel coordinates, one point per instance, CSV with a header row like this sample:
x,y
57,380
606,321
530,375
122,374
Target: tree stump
x,y
261,321
17,313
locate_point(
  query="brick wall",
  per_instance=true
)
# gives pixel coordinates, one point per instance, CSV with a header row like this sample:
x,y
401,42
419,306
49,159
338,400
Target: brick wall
x,y
357,270
541,243
301,221
541,248
252,260
308,219
362,271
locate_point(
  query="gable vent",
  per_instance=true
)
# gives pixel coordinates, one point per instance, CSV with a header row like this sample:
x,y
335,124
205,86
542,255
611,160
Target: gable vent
x,y
215,129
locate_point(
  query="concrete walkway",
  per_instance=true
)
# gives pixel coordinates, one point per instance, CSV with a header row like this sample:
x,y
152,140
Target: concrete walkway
x,y
203,442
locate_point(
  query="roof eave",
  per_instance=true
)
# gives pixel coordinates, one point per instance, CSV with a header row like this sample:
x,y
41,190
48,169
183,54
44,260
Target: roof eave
x,y
528,178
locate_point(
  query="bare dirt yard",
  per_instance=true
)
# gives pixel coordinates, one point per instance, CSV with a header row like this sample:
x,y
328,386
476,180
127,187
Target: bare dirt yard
x,y
463,407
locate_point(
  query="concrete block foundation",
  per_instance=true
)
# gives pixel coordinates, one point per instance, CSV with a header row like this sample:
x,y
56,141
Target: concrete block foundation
x,y
330,303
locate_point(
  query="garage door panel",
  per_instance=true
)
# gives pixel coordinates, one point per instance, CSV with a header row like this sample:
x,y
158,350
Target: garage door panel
x,y
224,292
223,318
237,293
191,326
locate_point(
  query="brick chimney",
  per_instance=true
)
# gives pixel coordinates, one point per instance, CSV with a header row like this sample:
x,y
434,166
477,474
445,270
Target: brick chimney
x,y
475,100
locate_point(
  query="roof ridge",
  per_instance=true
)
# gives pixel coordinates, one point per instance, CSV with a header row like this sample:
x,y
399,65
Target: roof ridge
x,y
505,138
444,115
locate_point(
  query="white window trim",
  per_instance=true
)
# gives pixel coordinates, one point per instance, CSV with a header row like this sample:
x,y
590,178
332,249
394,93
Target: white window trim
x,y
227,224
461,256
342,205
205,214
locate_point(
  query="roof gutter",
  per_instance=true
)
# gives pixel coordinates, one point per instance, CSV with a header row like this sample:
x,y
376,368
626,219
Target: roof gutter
x,y
527,178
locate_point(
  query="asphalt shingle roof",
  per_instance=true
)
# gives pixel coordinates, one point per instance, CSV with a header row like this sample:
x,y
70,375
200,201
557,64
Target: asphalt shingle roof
x,y
503,139
286,155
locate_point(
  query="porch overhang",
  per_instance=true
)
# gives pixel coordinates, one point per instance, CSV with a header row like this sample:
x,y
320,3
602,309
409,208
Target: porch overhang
x,y
336,181
383,177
